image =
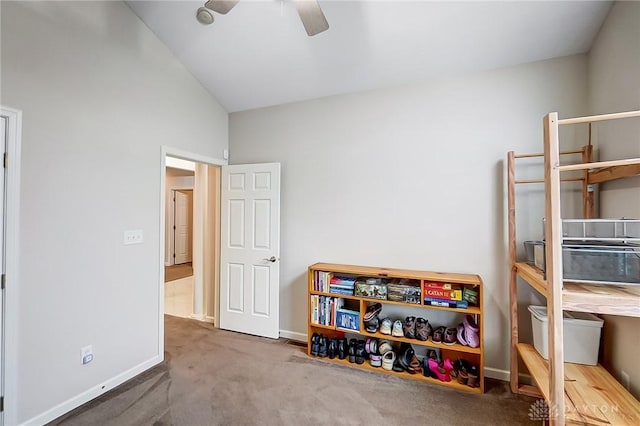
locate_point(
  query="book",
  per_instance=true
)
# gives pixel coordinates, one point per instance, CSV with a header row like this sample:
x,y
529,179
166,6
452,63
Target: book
x,y
460,304
440,285
441,293
343,281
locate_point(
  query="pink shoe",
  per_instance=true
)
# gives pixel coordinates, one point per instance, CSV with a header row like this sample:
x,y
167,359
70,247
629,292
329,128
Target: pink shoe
x,y
471,331
437,371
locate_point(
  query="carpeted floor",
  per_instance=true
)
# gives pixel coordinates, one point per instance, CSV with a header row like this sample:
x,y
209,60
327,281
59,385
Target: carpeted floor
x,y
215,377
175,272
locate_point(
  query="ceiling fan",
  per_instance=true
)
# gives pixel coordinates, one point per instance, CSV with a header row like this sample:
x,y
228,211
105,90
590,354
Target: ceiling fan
x,y
309,11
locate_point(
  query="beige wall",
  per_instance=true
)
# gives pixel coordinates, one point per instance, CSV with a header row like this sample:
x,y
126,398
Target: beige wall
x,y
411,177
614,85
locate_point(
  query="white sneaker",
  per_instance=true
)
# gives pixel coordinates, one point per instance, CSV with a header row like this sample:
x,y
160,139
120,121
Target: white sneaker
x,y
397,329
385,327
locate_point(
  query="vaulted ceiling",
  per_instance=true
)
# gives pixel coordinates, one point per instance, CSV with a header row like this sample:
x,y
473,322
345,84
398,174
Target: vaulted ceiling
x,y
259,55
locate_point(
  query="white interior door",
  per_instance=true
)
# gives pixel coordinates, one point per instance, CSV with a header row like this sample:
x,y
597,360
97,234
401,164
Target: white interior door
x,y
250,249
183,226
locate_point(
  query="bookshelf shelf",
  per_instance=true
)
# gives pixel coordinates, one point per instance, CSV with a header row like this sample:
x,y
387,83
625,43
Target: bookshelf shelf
x,y
359,305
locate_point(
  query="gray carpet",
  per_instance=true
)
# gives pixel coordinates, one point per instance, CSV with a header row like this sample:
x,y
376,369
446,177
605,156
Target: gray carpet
x,y
214,377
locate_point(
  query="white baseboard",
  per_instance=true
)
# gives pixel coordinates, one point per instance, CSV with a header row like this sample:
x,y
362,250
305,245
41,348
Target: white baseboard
x,y
197,317
92,393
293,335
496,373
209,319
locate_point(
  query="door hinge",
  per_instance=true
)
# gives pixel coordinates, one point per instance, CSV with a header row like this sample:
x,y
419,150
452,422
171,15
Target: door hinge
x,y
4,281
5,160
1,403
174,227
174,255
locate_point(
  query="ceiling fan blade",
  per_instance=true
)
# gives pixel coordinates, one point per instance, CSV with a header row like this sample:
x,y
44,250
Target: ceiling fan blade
x,y
221,6
311,16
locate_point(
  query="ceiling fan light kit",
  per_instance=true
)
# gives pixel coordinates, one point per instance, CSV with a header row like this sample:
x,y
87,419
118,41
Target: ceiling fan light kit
x,y
204,16
309,11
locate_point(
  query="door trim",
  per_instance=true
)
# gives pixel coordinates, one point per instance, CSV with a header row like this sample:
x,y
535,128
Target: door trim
x,y
12,217
184,155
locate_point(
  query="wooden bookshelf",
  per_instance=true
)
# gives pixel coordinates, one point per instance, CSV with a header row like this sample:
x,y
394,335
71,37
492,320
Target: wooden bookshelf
x,y
454,351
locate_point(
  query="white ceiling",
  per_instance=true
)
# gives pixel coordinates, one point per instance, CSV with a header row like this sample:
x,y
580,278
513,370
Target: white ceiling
x,y
259,54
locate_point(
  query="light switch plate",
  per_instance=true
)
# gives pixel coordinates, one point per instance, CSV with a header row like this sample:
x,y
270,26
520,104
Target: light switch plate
x,y
133,237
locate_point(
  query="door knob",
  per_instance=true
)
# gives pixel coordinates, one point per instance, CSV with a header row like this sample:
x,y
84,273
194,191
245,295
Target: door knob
x,y
272,259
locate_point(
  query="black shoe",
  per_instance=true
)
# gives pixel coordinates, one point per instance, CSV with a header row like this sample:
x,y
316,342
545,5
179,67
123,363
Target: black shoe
x,y
405,354
315,340
352,350
397,367
333,348
343,348
372,325
322,347
361,353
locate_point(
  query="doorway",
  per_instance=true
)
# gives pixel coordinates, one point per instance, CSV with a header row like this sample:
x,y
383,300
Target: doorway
x,y
191,213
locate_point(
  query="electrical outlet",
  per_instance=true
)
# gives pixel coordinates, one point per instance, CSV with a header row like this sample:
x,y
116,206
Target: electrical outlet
x,y
626,382
133,237
86,355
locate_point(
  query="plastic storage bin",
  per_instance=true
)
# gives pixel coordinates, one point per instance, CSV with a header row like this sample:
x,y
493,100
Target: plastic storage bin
x,y
581,335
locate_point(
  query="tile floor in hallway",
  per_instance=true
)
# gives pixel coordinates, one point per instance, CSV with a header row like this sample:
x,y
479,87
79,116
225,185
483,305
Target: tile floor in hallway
x,y
178,297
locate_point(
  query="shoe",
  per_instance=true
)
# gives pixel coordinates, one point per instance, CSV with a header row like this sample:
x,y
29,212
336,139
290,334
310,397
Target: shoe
x,y
439,372
409,327
397,367
388,360
371,346
384,347
473,377
431,354
437,334
375,360
352,351
423,329
397,329
471,331
333,348
460,335
360,352
405,355
315,340
373,310
414,365
449,337
343,348
323,346
385,326
372,324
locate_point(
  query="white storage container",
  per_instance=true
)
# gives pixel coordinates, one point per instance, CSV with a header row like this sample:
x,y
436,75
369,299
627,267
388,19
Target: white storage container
x,y
581,335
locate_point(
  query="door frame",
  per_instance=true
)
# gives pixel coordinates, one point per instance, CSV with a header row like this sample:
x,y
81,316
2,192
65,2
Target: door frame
x,y
12,222
173,238
197,158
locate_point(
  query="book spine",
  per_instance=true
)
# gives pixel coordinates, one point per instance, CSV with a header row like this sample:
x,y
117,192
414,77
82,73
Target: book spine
x,y
435,293
460,304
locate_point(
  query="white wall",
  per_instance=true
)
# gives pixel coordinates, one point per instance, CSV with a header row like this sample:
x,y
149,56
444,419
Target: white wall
x,y
410,177
614,85
100,95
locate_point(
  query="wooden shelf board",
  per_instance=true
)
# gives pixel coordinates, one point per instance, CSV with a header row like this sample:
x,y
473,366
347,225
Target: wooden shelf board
x,y
595,298
592,395
457,347
326,327
473,310
397,273
366,366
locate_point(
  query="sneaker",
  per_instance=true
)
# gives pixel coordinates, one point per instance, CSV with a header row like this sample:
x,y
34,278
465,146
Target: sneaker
x,y
409,327
397,329
438,333
423,329
449,337
385,327
371,325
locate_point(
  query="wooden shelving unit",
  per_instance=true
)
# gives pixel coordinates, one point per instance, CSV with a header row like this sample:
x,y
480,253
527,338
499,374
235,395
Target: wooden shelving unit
x,y
577,394
455,351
